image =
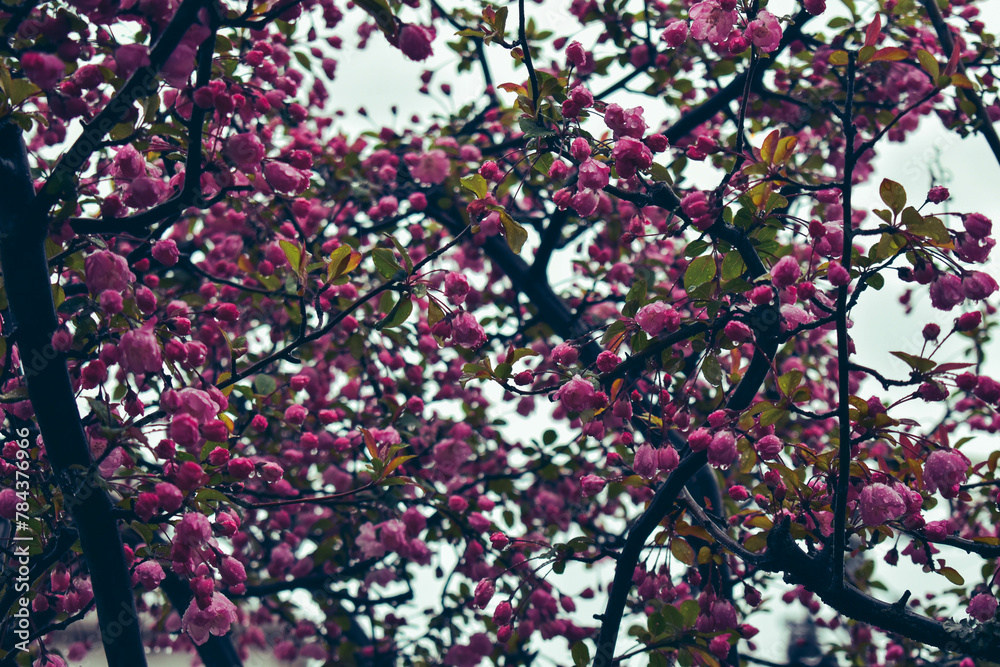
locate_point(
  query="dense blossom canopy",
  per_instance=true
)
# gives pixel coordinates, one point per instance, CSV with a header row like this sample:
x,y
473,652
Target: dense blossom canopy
x,y
424,394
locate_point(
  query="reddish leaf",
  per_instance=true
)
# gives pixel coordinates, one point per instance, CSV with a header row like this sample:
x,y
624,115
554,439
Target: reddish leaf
x,y
871,34
890,54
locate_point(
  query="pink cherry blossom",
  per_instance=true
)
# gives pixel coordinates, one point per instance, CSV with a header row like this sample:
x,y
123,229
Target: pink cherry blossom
x,y
106,270
944,470
982,607
484,593
938,194
592,485
675,33
625,122
8,504
245,150
149,573
431,167
129,163
815,7
579,395
977,285
564,354
645,461
594,174
193,530
129,58
764,31
722,450
657,317
216,619
139,351
880,503
710,22
837,274
977,225
737,331
631,156
785,272
667,459
769,447
946,292
285,178
415,42
467,332
43,70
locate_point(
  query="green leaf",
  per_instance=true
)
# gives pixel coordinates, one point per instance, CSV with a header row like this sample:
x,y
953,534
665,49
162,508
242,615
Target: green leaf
x,y
917,363
656,624
930,227
682,551
101,410
952,575
343,259
838,58
521,353
614,330
543,162
532,129
264,385
699,271
893,194
121,131
385,263
660,173
402,252
672,616
789,381
144,530
292,253
515,234
712,370
397,314
890,54
211,494
475,184
756,542
657,659
696,248
769,417
690,611
733,266
20,90
500,22
929,63
581,654
637,292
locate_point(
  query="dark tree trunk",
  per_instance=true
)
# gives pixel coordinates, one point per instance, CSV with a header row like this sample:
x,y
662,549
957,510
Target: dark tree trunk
x,y
32,311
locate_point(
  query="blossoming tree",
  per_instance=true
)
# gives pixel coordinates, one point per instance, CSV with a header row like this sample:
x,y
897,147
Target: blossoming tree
x,y
256,367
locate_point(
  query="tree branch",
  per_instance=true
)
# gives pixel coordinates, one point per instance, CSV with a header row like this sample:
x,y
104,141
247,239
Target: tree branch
x,y
687,123
22,254
812,572
843,341
143,83
948,46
